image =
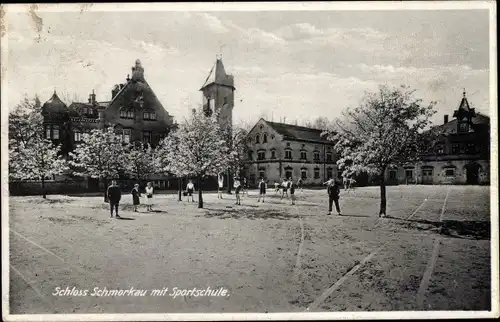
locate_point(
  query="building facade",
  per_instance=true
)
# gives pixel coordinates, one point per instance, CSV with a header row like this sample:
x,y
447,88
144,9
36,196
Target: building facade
x,y
461,156
134,112
278,150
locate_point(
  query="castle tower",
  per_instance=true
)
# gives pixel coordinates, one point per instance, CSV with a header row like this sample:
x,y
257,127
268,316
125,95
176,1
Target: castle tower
x,y
218,94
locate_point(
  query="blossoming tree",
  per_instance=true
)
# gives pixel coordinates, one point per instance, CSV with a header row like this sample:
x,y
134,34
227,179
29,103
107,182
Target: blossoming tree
x,y
387,128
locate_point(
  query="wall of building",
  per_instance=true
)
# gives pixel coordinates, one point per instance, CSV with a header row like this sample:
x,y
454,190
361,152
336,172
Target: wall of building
x,y
439,175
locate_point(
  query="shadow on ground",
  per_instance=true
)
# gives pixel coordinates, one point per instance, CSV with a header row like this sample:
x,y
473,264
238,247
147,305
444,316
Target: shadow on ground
x,y
248,214
467,229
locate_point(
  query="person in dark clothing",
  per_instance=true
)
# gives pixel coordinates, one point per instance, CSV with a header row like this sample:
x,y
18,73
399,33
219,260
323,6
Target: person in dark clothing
x,y
293,186
333,190
262,189
114,196
135,196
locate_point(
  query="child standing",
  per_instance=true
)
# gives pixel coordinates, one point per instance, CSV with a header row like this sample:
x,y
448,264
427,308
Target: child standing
x,y
284,187
190,190
262,189
245,187
237,187
135,196
149,196
276,187
221,185
299,185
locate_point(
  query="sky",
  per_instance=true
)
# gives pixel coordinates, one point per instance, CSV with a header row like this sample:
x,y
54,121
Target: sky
x,y
297,65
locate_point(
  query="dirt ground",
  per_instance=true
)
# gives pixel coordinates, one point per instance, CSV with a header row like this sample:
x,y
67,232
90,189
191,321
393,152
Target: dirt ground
x,y
432,253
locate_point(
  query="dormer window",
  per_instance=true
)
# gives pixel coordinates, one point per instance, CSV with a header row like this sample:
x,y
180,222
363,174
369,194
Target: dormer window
x,y
55,132
149,116
463,127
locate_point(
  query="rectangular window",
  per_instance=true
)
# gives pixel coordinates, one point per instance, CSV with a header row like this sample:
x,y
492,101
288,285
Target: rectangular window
x,y
449,172
225,99
329,157
78,136
409,174
316,173
47,132
463,127
261,155
392,174
262,174
147,137
329,173
440,149
250,155
471,148
316,156
288,154
303,155
273,154
455,148
55,132
126,135
427,172
288,173
303,174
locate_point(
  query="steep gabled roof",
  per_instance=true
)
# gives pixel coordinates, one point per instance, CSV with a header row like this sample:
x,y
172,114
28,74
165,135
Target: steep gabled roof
x,y
464,109
295,132
218,75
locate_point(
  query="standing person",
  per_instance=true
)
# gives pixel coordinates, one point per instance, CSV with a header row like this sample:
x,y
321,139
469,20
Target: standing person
x,y
262,189
221,185
190,190
284,187
135,196
149,196
299,185
292,191
276,187
333,190
245,187
237,187
114,196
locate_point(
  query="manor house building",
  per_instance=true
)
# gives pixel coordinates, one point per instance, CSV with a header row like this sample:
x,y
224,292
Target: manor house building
x,y
461,156
279,150
134,112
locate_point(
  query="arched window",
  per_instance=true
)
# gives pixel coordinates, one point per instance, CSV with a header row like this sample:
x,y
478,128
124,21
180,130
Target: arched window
x,y
257,139
316,173
273,153
329,157
250,155
264,138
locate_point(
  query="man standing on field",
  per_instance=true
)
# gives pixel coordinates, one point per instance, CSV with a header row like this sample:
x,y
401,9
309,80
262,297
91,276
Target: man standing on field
x,y
114,196
333,190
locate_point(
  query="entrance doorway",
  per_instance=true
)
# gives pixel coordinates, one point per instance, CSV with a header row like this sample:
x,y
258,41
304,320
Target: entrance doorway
x,y
472,173
427,175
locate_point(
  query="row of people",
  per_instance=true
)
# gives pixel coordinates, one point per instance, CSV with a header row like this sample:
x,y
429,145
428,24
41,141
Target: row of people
x,y
114,193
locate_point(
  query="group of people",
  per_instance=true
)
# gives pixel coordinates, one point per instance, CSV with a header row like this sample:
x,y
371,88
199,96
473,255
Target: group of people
x,y
287,185
114,195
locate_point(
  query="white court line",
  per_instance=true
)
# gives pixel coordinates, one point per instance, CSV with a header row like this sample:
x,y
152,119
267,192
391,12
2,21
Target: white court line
x,y
335,286
427,274
34,288
444,204
55,255
424,283
299,251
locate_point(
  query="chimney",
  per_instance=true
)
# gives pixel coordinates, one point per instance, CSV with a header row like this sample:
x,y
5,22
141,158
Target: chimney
x,y
445,119
92,97
115,91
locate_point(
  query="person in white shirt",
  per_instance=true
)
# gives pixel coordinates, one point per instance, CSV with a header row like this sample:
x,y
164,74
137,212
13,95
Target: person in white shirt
x,y
190,190
149,196
221,185
284,187
237,187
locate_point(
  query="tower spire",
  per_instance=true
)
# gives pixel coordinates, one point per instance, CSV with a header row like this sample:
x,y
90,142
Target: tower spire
x,y
464,92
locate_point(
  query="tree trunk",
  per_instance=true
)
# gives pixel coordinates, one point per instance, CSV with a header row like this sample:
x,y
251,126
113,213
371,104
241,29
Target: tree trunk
x,y
228,181
200,196
383,199
44,193
179,180
105,190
